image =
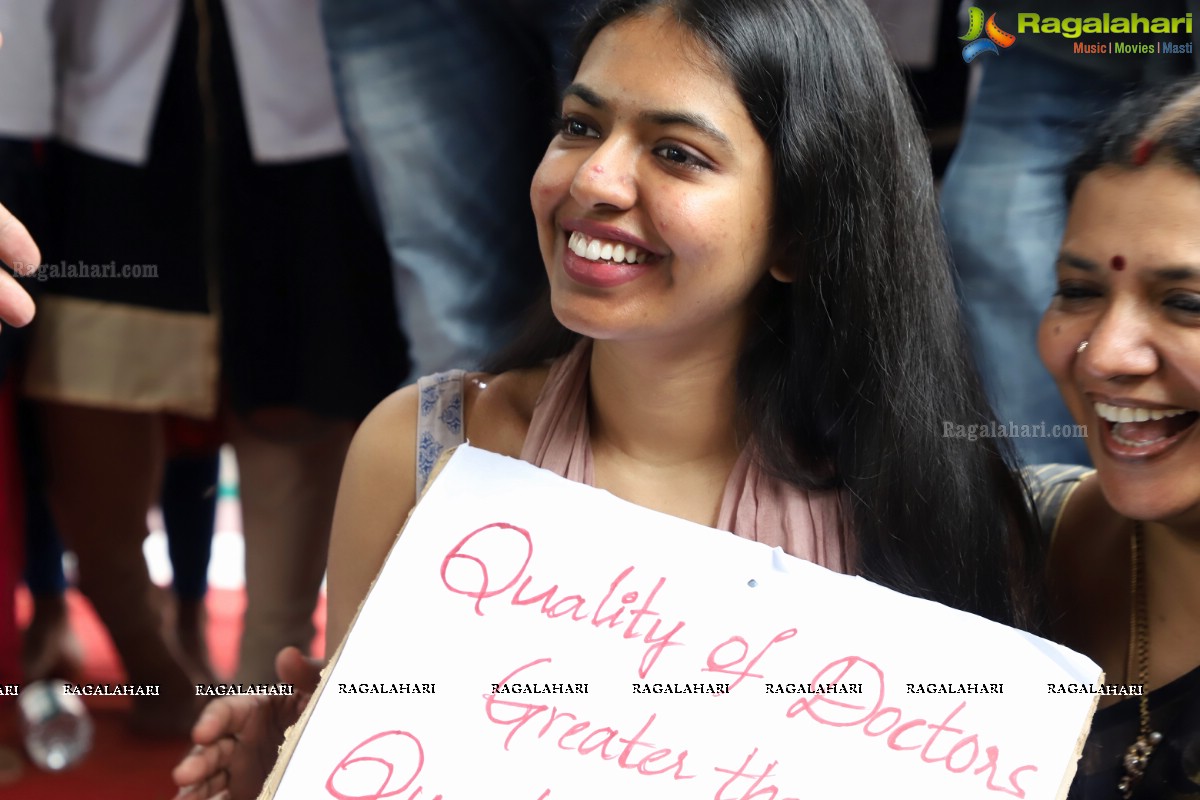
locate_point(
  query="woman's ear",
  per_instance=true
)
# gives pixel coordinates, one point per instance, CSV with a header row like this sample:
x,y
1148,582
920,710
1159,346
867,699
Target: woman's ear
x,y
782,274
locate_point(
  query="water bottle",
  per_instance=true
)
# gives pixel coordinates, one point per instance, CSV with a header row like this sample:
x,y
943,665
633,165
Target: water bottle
x,y
54,724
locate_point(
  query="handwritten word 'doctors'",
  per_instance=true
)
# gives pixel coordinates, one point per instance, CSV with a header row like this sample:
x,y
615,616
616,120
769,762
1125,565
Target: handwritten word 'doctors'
x,y
874,719
491,562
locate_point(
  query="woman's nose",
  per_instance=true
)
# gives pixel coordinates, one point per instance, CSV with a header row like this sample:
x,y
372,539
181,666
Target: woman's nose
x,y
1120,345
607,178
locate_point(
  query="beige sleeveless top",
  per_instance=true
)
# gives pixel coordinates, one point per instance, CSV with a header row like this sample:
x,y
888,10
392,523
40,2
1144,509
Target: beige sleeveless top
x,y
754,505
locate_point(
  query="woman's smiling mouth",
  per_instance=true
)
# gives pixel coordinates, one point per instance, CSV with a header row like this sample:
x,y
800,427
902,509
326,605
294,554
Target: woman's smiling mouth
x,y
604,263
596,249
1142,432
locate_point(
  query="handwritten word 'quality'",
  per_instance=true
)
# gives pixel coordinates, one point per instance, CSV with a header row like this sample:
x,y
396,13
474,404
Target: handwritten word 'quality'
x,y
492,561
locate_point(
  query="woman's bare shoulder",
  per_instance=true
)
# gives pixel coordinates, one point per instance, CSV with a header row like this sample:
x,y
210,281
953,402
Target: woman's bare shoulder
x,y
497,409
1088,556
378,488
1086,518
377,491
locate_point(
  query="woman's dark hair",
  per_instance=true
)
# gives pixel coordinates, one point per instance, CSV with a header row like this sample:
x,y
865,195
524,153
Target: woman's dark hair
x,y
859,374
1160,124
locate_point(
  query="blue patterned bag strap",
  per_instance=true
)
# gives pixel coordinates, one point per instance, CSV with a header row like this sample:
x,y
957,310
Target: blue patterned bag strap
x,y
439,420
1051,486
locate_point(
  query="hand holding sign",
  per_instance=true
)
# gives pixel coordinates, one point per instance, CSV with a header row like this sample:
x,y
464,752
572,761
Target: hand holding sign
x,y
237,738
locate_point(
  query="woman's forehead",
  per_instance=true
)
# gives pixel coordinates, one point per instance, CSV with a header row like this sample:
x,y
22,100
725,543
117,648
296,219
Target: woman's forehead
x,y
651,61
655,36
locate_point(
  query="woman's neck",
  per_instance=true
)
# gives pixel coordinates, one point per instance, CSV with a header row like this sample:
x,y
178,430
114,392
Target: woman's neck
x,y
661,406
1172,558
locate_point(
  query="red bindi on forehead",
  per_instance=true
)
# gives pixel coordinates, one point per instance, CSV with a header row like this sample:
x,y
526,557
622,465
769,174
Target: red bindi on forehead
x,y
1118,263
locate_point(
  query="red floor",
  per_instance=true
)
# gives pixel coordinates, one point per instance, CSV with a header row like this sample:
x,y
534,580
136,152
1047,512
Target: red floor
x,y
121,765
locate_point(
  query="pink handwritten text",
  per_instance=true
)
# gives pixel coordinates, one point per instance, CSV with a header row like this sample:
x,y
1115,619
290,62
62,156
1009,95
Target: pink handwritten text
x,y
492,560
876,719
583,736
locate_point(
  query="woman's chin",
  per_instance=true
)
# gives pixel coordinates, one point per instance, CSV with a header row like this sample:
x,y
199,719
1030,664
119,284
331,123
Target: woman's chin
x,y
1171,502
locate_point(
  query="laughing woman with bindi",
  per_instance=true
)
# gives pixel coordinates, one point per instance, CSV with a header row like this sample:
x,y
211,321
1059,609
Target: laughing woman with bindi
x,y
1122,340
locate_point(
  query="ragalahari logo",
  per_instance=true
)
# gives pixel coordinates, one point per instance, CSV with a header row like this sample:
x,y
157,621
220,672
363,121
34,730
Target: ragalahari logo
x,y
996,38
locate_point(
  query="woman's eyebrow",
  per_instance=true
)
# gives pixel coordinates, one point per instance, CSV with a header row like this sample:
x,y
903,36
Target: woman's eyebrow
x,y
697,122
1078,262
586,95
1176,273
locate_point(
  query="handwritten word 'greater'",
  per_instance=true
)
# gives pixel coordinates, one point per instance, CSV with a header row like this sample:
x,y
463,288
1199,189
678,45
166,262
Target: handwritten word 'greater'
x,y
581,736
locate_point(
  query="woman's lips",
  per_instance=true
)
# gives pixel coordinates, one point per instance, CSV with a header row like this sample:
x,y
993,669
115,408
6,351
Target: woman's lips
x,y
1144,440
603,230
600,274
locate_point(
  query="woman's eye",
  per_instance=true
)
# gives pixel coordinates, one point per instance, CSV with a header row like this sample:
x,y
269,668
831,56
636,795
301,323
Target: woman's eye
x,y
1186,302
1075,291
572,127
681,157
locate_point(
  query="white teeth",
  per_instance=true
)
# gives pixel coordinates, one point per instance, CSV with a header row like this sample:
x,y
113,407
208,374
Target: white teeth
x,y
601,250
1126,414
577,243
1130,443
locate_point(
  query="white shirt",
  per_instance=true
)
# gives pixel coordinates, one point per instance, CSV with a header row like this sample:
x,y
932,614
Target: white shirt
x,y
26,69
113,57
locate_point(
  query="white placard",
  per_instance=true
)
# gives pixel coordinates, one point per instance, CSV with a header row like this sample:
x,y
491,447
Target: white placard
x,y
580,647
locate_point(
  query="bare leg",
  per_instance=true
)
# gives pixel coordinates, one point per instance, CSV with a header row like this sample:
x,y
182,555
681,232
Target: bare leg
x,y
49,648
289,464
104,470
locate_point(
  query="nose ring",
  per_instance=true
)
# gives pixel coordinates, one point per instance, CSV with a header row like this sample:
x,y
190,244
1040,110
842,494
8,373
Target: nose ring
x,y
1082,346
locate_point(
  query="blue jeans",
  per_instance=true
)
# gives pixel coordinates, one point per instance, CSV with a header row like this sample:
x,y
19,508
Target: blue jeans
x,y
1004,207
446,104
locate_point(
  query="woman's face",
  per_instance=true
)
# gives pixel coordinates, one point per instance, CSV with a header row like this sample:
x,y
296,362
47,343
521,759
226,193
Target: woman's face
x,y
653,201
1129,285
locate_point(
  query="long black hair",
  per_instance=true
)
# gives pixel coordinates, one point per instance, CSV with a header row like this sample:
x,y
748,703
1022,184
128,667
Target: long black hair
x,y
858,366
1162,123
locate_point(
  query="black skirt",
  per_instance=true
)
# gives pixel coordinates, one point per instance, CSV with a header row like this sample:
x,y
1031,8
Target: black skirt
x,y
278,269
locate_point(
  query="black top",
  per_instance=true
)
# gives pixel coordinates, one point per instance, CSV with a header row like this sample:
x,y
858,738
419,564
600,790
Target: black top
x,y
1173,772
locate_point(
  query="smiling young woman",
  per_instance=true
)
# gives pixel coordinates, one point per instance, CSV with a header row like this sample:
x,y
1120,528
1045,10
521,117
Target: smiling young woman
x,y
673,174
1122,340
750,323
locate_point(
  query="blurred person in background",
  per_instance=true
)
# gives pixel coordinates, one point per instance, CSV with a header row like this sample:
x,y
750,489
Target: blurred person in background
x,y
446,147
49,647
208,151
